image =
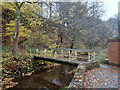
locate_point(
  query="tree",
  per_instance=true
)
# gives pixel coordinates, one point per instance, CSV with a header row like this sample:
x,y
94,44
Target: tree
x,y
113,23
119,18
71,15
17,27
68,25
96,37
96,10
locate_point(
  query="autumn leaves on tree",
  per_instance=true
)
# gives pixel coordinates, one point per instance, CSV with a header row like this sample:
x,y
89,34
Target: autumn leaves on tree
x,y
55,24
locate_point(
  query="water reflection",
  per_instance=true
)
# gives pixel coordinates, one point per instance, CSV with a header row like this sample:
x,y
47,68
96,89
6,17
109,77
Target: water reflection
x,y
54,78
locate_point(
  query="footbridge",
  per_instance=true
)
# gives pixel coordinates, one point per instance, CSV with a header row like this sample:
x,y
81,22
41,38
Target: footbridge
x,y
70,56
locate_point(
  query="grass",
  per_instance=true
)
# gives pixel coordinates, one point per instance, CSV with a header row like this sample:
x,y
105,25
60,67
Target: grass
x,y
64,88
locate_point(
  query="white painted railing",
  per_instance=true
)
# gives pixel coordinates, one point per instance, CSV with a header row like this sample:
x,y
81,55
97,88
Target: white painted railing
x,y
92,54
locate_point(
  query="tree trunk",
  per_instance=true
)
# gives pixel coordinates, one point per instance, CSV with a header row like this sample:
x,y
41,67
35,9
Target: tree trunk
x,y
17,28
50,15
72,43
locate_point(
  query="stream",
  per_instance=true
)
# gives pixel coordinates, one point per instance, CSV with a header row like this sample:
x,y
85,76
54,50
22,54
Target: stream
x,y
53,78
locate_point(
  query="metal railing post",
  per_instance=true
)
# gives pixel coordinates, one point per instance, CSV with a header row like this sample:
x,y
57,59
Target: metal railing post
x,y
75,54
94,54
55,54
62,52
45,53
30,51
51,52
37,51
89,59
69,54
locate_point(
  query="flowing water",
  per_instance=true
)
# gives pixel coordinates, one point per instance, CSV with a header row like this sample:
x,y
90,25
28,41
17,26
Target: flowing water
x,y
51,79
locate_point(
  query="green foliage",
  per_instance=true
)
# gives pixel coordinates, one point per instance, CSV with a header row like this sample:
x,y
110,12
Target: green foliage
x,y
33,26
8,5
64,88
70,26
38,39
118,37
24,32
6,49
101,56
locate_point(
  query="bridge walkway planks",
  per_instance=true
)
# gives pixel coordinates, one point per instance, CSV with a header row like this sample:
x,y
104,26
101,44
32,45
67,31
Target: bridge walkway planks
x,y
59,60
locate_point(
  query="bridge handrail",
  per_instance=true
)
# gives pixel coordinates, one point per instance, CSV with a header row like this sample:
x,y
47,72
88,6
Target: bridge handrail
x,y
92,54
87,50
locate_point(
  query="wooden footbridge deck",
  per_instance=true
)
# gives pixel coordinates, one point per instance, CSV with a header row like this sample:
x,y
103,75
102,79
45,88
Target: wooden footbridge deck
x,y
70,56
59,60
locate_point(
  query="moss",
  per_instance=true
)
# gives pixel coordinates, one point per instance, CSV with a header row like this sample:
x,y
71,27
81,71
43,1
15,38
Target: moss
x,y
118,37
64,88
5,49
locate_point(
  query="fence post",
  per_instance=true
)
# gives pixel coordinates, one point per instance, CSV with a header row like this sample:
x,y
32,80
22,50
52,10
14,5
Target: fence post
x,y
30,51
94,54
37,51
51,52
69,54
55,54
75,54
89,56
62,52
45,53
